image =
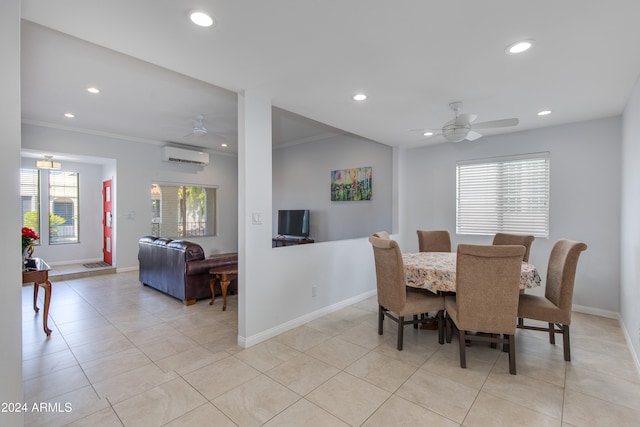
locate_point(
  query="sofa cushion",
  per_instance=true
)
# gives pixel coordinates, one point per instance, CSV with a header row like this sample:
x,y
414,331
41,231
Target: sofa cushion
x,y
192,251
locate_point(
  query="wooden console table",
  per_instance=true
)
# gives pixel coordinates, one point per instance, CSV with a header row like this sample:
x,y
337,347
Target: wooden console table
x,y
225,274
39,276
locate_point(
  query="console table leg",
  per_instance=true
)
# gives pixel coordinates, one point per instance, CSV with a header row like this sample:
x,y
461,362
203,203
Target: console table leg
x,y
212,281
224,284
47,299
35,297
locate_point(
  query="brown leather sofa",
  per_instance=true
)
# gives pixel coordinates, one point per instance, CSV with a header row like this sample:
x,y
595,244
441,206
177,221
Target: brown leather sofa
x,y
179,268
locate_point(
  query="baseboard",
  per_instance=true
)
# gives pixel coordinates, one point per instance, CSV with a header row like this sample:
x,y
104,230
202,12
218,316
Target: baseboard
x,y
126,269
75,261
612,315
627,338
294,323
596,311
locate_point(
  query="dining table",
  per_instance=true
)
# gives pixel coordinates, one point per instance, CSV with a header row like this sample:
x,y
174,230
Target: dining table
x,y
436,272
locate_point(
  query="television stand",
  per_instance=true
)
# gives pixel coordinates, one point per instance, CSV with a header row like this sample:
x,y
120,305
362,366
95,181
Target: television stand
x,y
289,241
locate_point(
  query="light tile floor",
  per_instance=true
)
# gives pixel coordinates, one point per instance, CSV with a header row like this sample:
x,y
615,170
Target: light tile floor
x,y
123,354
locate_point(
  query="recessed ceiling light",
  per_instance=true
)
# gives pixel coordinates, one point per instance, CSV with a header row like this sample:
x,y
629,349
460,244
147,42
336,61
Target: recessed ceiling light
x,y
519,47
93,90
544,112
201,18
224,145
69,115
359,97
428,133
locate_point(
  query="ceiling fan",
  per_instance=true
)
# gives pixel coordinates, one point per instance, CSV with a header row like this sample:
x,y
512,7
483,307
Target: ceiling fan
x,y
462,126
198,127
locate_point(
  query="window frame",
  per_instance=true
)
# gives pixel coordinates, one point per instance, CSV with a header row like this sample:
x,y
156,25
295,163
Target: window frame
x,y
508,194
35,199
161,212
64,198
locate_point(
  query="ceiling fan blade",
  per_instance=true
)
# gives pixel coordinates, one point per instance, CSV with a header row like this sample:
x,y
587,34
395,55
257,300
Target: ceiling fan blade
x,y
472,136
465,119
497,124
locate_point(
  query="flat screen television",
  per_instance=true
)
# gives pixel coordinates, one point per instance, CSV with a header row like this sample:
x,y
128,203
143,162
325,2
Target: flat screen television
x,y
293,223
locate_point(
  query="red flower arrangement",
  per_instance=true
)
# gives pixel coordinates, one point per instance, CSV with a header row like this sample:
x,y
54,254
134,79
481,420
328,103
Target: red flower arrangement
x,y
28,237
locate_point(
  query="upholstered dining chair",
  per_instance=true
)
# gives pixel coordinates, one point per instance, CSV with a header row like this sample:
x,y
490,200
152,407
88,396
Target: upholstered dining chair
x,y
515,239
393,297
555,307
382,235
434,241
486,300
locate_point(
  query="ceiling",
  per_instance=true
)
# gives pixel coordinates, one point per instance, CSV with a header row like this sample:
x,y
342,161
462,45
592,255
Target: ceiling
x,y
157,71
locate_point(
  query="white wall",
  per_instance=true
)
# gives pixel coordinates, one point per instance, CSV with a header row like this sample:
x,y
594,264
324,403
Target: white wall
x,y
137,166
630,245
10,289
275,284
302,180
584,205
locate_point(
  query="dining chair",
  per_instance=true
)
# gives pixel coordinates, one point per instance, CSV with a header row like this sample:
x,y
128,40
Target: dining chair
x,y
382,235
486,300
434,241
555,306
515,239
393,297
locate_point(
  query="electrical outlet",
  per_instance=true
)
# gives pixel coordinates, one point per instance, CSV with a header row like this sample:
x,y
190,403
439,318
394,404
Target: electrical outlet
x,y
314,291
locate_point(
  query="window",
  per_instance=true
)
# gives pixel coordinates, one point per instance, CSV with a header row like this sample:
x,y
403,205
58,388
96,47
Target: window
x,y
63,207
182,210
508,195
30,199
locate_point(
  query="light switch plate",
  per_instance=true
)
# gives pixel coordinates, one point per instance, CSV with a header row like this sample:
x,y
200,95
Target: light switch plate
x,y
256,218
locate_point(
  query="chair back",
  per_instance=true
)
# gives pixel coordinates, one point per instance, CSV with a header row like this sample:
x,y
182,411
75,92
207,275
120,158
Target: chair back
x,y
381,235
434,241
561,274
487,287
515,239
390,279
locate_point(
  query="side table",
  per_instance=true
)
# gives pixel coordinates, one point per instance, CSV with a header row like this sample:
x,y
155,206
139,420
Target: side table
x,y
225,274
39,276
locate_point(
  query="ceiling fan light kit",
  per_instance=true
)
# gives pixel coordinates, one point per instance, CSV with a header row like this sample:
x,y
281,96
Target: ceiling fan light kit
x,y
455,133
461,127
198,127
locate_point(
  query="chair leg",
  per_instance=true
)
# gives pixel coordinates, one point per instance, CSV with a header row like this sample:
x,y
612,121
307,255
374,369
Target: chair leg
x,y
505,345
565,343
552,336
520,321
380,319
415,321
448,329
400,332
512,354
440,316
493,344
463,349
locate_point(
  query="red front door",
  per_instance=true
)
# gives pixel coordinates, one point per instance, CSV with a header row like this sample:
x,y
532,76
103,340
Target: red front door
x,y
107,220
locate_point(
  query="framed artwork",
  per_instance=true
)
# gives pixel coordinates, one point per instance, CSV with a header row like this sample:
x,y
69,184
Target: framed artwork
x,y
351,184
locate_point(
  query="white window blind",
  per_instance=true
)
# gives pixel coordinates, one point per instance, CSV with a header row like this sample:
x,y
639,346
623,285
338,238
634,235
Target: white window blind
x,y
63,207
507,195
30,199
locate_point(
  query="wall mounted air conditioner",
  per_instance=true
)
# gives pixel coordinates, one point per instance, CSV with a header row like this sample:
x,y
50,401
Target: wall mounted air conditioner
x,y
183,155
